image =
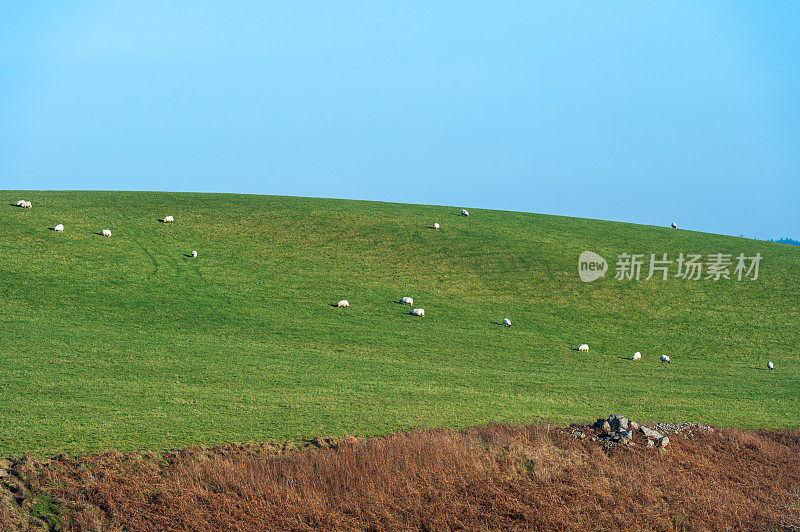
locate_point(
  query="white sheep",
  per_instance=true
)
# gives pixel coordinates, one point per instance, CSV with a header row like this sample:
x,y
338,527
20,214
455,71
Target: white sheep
x,y
168,219
464,212
343,304
20,203
106,232
637,355
418,312
770,365
583,347
674,225
27,205
436,225
665,358
407,301
193,254
59,228
507,322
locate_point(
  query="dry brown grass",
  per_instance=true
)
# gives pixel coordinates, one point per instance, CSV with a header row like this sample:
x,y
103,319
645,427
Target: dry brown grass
x,y
500,477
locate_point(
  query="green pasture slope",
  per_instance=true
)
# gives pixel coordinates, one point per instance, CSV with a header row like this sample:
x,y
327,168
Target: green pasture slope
x,y
128,343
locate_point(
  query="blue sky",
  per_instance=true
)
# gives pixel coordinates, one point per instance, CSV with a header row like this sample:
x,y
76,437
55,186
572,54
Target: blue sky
x,y
625,111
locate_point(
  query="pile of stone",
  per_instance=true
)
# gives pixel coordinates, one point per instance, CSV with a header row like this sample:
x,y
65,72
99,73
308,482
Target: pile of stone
x,y
686,430
619,430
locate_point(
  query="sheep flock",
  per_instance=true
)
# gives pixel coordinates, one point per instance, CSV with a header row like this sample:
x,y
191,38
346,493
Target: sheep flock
x,y
344,303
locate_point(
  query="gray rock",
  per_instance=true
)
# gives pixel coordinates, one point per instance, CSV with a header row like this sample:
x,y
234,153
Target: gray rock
x,y
628,435
634,426
3,473
618,422
650,433
605,428
578,434
664,442
651,443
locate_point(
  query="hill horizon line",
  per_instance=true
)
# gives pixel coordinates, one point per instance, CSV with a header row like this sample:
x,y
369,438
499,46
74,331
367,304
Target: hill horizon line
x,y
780,240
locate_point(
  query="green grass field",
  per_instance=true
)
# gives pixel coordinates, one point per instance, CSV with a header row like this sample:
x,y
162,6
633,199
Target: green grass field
x,y
127,343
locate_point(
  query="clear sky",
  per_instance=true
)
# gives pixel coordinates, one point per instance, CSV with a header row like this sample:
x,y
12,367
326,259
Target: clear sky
x,y
631,111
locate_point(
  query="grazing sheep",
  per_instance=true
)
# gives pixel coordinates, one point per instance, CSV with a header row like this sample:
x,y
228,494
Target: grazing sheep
x,y
674,225
59,228
193,254
418,312
464,212
168,219
407,301
583,347
106,232
637,355
436,225
343,304
20,203
665,358
26,205
770,365
507,322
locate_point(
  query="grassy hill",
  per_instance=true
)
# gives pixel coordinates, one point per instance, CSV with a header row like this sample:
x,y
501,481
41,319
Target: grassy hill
x,y
127,342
